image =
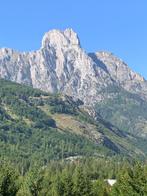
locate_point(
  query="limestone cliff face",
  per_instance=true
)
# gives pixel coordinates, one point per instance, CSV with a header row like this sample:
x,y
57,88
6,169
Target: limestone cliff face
x,y
121,73
61,65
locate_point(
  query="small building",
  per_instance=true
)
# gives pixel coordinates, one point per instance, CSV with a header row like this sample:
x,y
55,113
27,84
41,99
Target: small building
x,y
111,182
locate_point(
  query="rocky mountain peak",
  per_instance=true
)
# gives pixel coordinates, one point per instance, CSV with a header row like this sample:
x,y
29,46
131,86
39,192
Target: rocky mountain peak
x,y
118,69
6,51
61,65
57,38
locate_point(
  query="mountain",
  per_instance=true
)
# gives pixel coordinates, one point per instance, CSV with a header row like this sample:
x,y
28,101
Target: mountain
x,y
106,85
38,126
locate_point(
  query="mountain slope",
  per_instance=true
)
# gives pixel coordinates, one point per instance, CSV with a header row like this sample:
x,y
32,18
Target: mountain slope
x,y
61,65
121,73
35,125
126,105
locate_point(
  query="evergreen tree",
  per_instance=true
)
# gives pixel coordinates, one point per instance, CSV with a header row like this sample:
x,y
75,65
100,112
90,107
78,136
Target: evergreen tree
x,y
8,181
82,184
67,183
133,182
34,181
100,188
57,186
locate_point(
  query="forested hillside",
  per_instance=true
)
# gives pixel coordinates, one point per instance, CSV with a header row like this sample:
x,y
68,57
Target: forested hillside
x,y
86,177
126,110
37,127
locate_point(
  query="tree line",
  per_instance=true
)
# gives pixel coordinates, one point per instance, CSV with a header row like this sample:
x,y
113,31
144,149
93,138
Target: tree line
x,y
85,177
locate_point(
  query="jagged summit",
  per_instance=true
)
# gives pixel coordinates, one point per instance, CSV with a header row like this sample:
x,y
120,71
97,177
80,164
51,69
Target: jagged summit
x,y
61,65
58,38
117,67
6,51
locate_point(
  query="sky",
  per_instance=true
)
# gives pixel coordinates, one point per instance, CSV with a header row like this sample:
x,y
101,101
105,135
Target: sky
x,y
118,26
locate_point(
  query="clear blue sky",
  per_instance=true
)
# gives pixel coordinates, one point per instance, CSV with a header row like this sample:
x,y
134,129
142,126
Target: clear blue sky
x,y
119,26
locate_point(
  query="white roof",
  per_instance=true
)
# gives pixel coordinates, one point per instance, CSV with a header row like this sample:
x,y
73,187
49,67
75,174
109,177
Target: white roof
x,y
111,182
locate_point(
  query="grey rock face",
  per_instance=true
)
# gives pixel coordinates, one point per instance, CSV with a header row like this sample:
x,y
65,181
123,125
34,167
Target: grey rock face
x,y
121,73
61,65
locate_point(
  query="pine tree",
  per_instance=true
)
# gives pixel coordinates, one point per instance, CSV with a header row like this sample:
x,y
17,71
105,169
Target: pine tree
x,y
133,181
67,183
34,181
100,188
8,181
82,184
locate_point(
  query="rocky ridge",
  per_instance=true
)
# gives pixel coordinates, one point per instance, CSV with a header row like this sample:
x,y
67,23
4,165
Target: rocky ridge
x,y
61,65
